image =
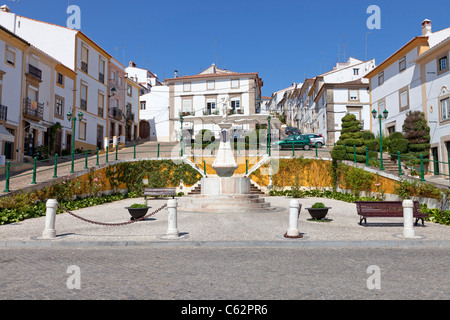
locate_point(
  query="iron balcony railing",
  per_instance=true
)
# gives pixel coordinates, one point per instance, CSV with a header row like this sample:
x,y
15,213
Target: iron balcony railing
x,y
83,104
116,113
101,77
34,71
3,113
33,109
130,116
84,66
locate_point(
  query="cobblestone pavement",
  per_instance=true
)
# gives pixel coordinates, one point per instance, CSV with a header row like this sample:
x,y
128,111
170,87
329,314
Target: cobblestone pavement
x,y
224,274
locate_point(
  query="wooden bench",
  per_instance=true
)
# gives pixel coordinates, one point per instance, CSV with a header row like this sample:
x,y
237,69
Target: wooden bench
x,y
380,209
155,192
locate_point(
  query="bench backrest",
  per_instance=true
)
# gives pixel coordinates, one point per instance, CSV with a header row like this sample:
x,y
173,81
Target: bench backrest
x,y
389,207
159,192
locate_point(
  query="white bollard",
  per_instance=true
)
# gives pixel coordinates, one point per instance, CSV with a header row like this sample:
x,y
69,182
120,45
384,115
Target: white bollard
x,y
293,219
172,229
408,223
50,217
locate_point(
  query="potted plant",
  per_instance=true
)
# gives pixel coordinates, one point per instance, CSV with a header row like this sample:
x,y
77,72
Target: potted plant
x,y
318,211
138,210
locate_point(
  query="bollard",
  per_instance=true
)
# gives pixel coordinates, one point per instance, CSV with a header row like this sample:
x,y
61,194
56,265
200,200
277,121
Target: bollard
x,y
408,223
172,229
55,169
34,171
293,220
50,217
8,168
97,163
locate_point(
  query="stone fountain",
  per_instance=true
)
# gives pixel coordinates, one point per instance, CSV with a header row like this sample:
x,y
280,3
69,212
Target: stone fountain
x,y
226,192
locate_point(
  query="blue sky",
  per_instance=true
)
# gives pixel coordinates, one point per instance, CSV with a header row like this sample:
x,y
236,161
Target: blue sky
x,y
285,41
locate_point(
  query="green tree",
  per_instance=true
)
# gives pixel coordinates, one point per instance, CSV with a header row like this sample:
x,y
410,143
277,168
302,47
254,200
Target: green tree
x,y
417,132
351,136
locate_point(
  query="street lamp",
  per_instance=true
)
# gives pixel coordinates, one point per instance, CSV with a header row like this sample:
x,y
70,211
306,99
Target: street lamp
x,y
181,136
380,117
73,119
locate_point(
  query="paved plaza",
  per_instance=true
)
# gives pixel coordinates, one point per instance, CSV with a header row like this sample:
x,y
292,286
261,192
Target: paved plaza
x,y
218,229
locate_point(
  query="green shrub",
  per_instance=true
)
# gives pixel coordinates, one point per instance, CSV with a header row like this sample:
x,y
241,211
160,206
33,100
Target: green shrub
x,y
318,205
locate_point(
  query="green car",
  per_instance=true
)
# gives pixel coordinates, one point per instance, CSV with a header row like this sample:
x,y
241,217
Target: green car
x,y
299,141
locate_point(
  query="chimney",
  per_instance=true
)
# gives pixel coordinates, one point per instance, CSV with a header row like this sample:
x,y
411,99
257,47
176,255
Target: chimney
x,y
132,64
5,8
426,27
176,74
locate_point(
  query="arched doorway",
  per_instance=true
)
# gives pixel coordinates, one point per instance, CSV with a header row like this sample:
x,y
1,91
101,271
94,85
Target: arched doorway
x,y
144,130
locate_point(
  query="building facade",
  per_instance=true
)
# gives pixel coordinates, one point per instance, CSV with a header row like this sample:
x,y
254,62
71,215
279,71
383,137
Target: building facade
x,y
206,93
415,78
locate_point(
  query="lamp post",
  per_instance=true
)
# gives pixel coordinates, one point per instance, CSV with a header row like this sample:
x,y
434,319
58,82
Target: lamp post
x,y
269,138
73,119
380,117
181,134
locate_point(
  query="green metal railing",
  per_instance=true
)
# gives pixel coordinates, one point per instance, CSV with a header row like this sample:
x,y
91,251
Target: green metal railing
x,y
252,153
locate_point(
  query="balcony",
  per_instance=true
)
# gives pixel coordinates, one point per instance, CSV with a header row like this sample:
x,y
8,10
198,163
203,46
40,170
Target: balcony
x,y
33,110
84,67
210,112
235,111
116,113
3,113
100,112
35,72
130,116
83,104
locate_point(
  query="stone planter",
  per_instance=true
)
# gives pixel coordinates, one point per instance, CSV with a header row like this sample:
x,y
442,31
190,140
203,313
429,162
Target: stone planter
x,y
319,213
137,213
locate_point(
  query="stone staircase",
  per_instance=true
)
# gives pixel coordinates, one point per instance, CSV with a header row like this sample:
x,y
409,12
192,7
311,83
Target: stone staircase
x,y
253,190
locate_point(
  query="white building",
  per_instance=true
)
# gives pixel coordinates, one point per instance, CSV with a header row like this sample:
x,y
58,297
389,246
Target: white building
x,y
205,94
434,63
415,78
154,115
83,56
319,105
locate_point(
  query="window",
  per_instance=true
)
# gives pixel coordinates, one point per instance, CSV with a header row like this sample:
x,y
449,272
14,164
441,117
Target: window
x,y
235,105
356,72
84,59
210,106
186,106
353,95
235,83
143,105
82,134
442,64
83,96
59,107
402,64
129,90
210,85
101,70
445,109
10,57
60,79
101,104
404,99
187,86
113,76
381,78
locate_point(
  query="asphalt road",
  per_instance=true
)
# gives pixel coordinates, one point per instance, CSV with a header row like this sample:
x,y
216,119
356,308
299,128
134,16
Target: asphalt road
x,y
219,274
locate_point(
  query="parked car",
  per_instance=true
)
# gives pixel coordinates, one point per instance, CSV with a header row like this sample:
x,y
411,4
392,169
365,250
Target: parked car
x,y
316,138
290,131
299,141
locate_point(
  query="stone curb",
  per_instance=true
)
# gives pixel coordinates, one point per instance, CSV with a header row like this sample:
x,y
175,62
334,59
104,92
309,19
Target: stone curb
x,y
226,244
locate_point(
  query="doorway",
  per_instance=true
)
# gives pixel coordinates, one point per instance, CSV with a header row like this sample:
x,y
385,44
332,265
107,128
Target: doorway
x,y
435,153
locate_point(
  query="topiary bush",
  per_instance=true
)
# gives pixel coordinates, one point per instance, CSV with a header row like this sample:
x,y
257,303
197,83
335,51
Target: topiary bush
x,y
351,136
417,132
